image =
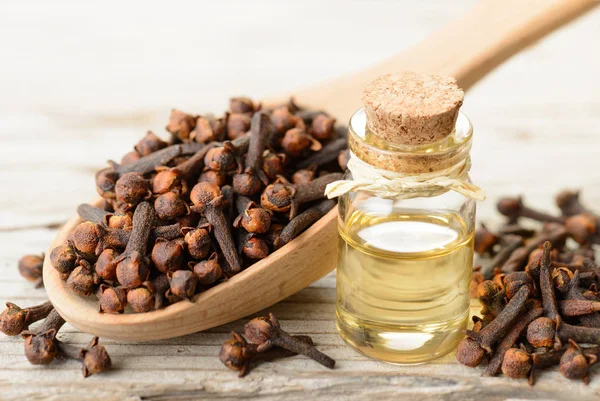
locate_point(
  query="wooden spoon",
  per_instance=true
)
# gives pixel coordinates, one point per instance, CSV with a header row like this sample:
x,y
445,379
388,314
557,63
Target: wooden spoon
x,y
467,49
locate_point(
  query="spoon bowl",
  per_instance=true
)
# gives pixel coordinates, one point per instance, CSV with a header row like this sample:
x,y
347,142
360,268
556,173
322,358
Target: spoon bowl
x,y
265,283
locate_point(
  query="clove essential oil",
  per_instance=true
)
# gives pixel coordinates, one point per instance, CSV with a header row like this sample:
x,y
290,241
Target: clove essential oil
x,y
403,284
406,221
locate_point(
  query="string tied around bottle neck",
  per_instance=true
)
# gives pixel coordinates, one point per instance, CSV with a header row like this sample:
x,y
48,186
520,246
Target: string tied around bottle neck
x,y
396,185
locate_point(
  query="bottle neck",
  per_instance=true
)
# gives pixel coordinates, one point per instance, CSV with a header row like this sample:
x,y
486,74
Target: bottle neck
x,y
410,159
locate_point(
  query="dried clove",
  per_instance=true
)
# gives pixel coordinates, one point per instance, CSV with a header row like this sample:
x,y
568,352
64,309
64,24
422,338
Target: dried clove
x,y
513,208
494,330
254,247
274,165
132,264
227,157
283,120
148,164
141,299
131,189
327,154
511,244
130,158
485,240
111,299
577,307
13,320
305,220
40,345
237,125
266,333
89,239
30,267
322,127
242,105
296,142
183,283
496,362
304,176
83,280
518,258
343,159
574,293
64,259
149,144
181,125
106,265
106,179
284,197
198,241
574,364
94,359
208,271
517,363
569,203
168,255
210,129
581,227
208,200
274,235
238,355
516,229
175,179
252,218
251,180
513,281
547,286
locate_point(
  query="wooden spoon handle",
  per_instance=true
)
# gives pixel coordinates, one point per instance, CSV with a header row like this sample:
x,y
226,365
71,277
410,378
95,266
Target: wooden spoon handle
x,y
466,48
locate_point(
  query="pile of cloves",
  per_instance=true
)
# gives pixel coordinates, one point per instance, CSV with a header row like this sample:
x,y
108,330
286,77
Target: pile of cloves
x,y
539,291
41,345
268,342
182,215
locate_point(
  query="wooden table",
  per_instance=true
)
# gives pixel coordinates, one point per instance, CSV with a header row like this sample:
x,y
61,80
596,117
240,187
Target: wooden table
x,y
79,86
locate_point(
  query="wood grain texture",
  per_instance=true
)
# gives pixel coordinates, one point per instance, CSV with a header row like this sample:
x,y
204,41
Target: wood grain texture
x,y
501,28
537,124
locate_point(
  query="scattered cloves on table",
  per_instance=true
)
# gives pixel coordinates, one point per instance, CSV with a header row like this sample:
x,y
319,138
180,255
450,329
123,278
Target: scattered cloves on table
x,y
559,323
239,355
268,342
266,332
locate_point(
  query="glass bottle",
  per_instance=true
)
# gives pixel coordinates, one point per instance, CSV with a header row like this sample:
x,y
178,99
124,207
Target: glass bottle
x,y
405,261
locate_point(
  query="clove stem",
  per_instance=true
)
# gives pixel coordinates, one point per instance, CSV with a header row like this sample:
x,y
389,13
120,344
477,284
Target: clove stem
x,y
148,164
491,333
327,154
547,286
305,220
574,293
509,340
512,243
578,307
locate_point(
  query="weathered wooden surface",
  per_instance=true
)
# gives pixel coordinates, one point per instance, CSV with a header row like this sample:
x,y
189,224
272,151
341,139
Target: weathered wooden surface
x,y
72,83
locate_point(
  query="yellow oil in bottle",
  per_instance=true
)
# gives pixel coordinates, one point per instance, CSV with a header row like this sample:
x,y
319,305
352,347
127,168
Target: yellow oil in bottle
x,y
403,284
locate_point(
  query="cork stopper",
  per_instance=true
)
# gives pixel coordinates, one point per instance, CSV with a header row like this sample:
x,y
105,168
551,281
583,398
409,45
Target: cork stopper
x,y
411,108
